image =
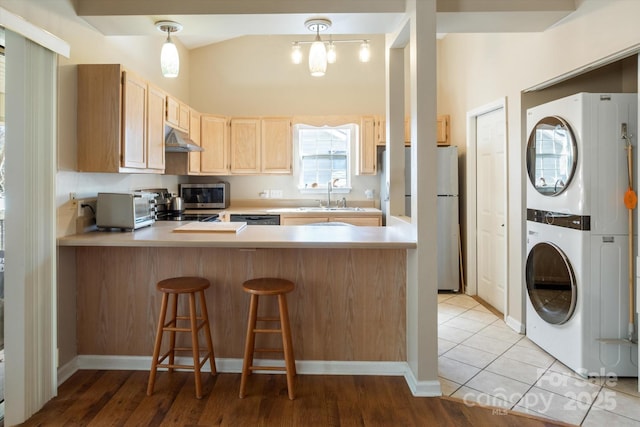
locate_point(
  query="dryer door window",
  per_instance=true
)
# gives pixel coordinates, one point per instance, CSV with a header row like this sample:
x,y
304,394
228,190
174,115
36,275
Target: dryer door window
x,y
551,156
551,284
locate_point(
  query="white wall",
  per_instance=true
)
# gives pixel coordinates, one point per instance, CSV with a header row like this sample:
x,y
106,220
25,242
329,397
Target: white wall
x,y
254,75
477,69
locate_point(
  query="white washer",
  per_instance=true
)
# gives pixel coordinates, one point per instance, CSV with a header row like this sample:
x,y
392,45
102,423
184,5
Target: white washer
x,y
577,294
576,159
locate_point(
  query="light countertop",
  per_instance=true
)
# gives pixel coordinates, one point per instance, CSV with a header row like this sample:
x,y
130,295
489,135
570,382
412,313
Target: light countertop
x,y
298,211
253,236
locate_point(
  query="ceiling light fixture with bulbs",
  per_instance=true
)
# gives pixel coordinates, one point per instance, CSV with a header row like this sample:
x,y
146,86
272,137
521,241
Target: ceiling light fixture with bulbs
x,y
169,58
321,52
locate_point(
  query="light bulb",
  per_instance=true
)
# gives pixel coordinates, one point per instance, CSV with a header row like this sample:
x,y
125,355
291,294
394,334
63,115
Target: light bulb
x,y
296,53
317,58
365,53
169,59
331,53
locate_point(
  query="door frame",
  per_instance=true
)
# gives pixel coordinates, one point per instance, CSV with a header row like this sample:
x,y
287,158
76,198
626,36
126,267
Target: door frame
x,y
471,222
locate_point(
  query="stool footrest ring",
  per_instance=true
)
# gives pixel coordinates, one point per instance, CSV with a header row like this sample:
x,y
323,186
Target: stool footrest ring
x,y
268,368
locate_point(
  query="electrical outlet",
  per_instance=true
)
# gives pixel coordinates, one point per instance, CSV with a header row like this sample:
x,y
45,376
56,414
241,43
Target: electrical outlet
x,y
72,196
276,194
86,207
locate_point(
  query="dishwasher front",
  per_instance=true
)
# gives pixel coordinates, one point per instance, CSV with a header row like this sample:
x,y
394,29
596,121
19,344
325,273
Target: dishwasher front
x,y
255,219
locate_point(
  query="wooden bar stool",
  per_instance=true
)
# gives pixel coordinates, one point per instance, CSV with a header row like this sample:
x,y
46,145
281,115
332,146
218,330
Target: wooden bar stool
x,y
268,287
175,287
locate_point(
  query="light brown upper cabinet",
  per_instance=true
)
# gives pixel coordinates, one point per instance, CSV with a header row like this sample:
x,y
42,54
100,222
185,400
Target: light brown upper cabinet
x,y
245,146
366,163
276,145
134,112
117,131
407,131
260,145
156,108
442,131
214,139
194,135
177,114
381,131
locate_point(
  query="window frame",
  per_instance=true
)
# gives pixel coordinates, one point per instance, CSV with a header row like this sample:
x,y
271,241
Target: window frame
x,y
322,187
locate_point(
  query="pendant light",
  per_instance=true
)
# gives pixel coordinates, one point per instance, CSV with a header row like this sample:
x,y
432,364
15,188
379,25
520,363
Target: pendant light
x,y
331,53
317,58
322,53
365,52
296,53
169,58
318,51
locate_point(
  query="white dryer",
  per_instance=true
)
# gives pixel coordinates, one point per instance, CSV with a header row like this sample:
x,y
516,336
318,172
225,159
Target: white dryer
x,y
576,295
576,159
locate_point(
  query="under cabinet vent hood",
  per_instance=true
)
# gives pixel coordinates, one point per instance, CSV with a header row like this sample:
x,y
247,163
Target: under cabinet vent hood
x,y
178,141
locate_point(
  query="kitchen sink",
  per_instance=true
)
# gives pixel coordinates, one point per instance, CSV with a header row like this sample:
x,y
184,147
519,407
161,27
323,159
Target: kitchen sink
x,y
325,209
315,209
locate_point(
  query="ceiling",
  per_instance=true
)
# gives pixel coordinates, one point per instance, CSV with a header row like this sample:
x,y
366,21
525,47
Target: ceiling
x,y
212,21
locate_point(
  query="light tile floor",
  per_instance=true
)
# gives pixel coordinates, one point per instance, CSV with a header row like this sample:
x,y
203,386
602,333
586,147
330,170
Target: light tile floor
x,y
482,360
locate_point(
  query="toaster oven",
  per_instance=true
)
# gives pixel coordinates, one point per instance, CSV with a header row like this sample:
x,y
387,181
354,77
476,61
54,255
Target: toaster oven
x,y
128,211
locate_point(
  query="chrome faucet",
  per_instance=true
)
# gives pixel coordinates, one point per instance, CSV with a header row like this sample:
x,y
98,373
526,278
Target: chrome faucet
x,y
329,188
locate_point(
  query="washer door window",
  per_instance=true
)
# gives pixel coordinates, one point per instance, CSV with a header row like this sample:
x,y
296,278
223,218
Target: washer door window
x,y
551,284
551,156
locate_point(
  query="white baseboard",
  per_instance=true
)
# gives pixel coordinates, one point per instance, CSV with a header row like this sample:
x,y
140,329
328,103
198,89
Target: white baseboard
x,y
68,369
304,367
514,324
307,367
429,388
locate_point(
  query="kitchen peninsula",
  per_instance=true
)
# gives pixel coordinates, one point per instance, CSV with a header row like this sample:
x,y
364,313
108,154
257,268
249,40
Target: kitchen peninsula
x,y
349,304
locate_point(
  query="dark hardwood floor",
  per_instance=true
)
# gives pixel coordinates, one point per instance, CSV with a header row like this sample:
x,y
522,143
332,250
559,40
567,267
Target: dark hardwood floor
x,y
118,398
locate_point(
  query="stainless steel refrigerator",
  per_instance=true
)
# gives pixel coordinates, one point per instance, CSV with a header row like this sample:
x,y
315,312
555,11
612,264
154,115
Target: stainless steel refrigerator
x,y
447,211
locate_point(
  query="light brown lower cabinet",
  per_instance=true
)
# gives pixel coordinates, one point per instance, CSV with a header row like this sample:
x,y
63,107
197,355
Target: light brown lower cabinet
x,y
353,220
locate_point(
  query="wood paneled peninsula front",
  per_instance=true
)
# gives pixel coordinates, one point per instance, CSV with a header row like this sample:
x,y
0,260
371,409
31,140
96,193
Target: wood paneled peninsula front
x,y
349,303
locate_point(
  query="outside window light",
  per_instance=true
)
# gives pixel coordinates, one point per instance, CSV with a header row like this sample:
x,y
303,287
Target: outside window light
x,y
365,52
296,53
169,58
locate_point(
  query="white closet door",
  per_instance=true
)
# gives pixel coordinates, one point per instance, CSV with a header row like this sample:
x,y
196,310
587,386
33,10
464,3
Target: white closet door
x,y
491,207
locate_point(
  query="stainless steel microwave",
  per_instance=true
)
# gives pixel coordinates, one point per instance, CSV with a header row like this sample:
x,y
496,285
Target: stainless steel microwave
x,y
205,196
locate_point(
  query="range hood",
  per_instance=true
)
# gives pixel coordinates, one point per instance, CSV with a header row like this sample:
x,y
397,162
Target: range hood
x,y
178,141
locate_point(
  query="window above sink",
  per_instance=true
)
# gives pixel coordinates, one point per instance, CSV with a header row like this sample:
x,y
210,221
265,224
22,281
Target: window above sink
x,y
324,155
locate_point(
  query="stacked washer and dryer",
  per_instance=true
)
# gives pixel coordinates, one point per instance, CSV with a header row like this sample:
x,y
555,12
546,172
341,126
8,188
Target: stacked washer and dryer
x,y
577,231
